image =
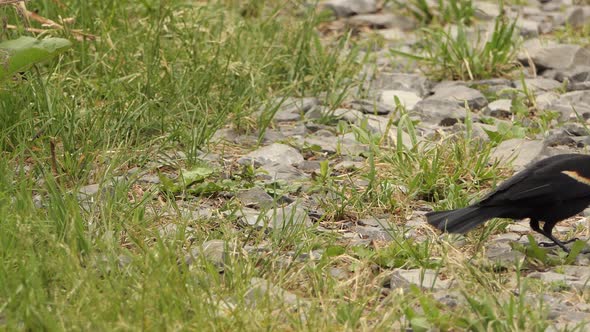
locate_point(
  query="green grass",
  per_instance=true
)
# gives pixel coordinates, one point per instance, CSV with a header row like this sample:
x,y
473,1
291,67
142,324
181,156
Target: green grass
x,y
146,97
439,12
464,54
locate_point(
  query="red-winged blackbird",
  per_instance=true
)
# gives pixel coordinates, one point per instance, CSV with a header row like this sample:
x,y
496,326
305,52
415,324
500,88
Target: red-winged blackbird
x,y
548,191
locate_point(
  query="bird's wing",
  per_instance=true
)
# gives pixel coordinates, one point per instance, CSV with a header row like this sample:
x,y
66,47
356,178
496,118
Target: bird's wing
x,y
540,188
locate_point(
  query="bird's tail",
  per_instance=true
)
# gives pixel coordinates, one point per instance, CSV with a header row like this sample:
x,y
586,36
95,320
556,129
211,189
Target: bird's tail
x,y
462,220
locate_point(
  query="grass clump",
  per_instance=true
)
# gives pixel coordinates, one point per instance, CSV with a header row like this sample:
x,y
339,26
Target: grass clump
x,y
457,55
440,12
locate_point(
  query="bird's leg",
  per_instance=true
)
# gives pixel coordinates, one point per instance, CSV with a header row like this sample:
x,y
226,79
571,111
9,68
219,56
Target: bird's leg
x,y
548,232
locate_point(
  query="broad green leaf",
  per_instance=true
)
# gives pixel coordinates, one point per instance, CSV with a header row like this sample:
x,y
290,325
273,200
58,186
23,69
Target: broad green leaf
x,y
575,251
196,174
19,54
334,250
205,188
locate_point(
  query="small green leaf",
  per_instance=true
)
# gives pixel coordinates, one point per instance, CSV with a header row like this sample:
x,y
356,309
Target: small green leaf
x,y
19,54
196,174
332,251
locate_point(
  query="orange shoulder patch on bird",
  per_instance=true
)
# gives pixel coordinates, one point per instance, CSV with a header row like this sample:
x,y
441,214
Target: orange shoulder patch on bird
x,y
576,176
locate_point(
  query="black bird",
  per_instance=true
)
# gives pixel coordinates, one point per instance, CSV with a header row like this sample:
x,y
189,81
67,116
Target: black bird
x,y
547,191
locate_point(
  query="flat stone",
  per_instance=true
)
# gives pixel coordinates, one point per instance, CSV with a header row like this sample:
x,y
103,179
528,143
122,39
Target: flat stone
x,y
426,279
394,34
407,98
339,274
573,75
501,108
501,253
460,94
382,21
558,137
546,99
276,171
397,81
538,84
368,107
551,55
528,28
256,197
372,233
574,16
273,154
292,109
486,10
216,252
440,112
261,289
278,217
250,216
345,8
519,228
507,237
522,150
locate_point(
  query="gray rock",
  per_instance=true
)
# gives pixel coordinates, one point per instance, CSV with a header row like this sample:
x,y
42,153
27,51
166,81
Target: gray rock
x,y
501,108
459,94
288,216
217,252
440,112
382,21
256,197
553,55
558,137
168,230
277,171
522,150
344,8
573,75
294,129
550,276
397,35
272,154
292,109
519,227
406,82
149,178
368,107
574,16
576,129
501,253
276,218
89,190
426,279
528,28
348,165
380,125
309,166
250,216
545,100
407,98
372,233
507,237
261,289
339,274
537,84
486,10
572,104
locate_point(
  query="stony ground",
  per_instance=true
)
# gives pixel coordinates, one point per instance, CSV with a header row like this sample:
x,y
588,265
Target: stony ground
x,y
317,207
